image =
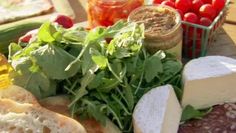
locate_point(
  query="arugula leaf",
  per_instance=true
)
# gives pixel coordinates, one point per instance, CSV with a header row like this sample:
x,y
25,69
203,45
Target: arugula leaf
x,y
46,32
95,110
190,113
13,48
100,60
36,82
54,60
171,68
153,66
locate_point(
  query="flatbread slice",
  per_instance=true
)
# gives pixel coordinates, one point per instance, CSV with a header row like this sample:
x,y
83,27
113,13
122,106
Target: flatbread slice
x,y
12,10
26,118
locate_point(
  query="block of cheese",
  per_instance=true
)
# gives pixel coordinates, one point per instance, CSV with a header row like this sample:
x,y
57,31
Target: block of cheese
x,y
209,81
158,111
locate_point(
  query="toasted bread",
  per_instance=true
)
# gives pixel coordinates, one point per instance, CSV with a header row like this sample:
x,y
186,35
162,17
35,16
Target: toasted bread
x,y
23,117
18,94
60,104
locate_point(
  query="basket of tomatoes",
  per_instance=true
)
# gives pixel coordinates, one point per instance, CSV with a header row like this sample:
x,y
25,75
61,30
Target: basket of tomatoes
x,y
201,20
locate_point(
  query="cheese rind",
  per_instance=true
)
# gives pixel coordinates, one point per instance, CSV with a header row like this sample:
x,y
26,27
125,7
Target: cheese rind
x,y
209,81
158,111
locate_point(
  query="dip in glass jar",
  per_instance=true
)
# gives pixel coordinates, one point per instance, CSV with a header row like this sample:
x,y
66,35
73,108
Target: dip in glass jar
x,y
163,29
107,12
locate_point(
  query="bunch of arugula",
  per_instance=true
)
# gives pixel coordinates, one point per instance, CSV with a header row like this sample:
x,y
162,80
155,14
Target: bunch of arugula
x,y
105,70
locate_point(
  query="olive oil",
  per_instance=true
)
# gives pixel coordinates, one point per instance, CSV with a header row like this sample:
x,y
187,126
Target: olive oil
x,y
5,69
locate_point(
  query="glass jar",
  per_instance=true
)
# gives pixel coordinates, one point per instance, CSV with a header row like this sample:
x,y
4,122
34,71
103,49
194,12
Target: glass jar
x,y
163,30
107,12
5,69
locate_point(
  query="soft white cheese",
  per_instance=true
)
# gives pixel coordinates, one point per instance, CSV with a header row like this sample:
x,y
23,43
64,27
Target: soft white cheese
x,y
158,111
209,81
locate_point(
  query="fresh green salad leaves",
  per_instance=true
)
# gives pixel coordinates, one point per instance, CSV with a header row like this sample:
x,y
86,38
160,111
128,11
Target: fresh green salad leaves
x,y
104,70
190,113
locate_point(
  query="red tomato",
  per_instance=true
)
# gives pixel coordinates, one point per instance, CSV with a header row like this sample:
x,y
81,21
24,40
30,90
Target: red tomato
x,y
207,1
196,4
218,4
168,3
207,10
63,20
157,1
25,38
183,5
31,34
180,13
172,0
189,46
190,17
205,21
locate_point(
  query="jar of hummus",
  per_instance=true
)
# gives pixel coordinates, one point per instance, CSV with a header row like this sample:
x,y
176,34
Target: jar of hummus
x,y
163,29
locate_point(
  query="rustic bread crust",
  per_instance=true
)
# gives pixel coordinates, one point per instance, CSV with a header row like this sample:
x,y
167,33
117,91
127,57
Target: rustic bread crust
x,y
24,117
60,104
18,94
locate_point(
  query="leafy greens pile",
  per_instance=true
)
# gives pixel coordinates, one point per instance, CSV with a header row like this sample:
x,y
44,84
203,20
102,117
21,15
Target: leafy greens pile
x,y
104,70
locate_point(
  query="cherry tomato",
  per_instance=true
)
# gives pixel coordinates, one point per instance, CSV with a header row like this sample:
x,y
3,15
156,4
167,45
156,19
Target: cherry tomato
x,y
26,38
172,0
189,46
207,1
183,5
168,3
208,11
180,13
31,34
190,17
205,21
63,20
196,4
218,4
157,1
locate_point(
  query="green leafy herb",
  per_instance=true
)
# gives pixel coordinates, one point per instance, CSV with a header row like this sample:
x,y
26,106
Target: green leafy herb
x,y
105,79
190,112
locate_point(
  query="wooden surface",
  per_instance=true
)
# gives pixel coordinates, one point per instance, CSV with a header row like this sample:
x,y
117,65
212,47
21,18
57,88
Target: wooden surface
x,y
225,44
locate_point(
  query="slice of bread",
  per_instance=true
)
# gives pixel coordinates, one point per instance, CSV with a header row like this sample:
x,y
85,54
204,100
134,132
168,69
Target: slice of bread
x,y
27,118
18,94
60,104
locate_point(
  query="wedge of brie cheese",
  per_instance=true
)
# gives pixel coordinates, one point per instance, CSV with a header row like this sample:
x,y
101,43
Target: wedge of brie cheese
x,y
158,111
209,81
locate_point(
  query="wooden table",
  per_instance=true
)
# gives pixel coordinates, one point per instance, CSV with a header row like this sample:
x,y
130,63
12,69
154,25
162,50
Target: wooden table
x,y
225,44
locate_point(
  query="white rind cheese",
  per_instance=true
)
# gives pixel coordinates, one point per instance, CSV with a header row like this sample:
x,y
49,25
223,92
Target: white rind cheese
x,y
209,81
158,111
